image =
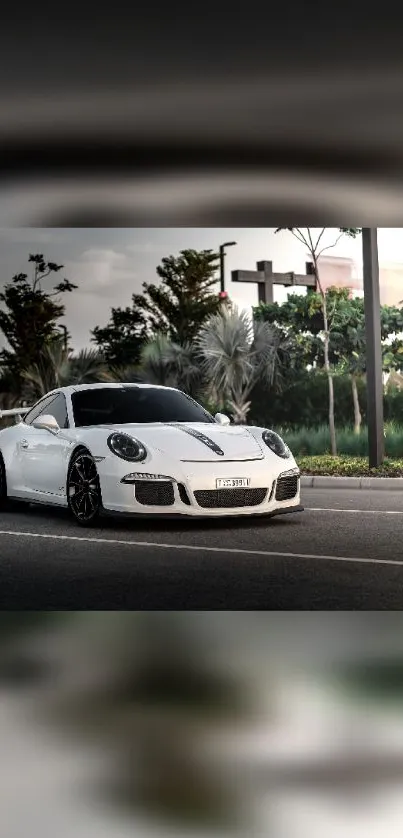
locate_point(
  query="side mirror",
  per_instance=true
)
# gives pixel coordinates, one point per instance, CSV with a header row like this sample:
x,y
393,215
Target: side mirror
x,y
46,422
222,419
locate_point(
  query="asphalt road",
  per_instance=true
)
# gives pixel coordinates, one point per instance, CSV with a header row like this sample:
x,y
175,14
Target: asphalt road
x,y
343,552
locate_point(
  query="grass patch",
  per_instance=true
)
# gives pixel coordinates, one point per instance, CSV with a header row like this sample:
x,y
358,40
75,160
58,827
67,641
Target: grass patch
x,y
345,466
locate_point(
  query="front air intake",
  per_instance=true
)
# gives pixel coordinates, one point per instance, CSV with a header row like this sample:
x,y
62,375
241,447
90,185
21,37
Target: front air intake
x,y
287,487
230,498
154,492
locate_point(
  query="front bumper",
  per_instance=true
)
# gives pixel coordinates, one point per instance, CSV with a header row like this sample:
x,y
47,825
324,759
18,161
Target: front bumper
x,y
192,492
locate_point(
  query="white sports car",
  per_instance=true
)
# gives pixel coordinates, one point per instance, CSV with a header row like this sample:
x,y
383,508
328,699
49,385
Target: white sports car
x,y
143,449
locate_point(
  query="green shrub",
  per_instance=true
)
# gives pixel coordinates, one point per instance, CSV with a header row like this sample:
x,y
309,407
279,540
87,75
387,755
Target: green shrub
x,y
316,441
342,466
304,402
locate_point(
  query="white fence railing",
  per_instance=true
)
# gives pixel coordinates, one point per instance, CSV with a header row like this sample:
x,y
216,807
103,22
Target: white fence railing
x,y
16,411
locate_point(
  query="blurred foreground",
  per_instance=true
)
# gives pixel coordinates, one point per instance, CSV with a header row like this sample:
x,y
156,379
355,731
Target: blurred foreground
x,y
294,143
117,723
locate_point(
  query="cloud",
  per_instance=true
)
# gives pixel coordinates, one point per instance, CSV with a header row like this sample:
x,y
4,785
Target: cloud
x,y
32,236
100,254
104,272
143,247
106,278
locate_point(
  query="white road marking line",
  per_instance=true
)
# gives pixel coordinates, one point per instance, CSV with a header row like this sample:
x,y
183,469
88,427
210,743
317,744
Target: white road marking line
x,y
200,548
355,511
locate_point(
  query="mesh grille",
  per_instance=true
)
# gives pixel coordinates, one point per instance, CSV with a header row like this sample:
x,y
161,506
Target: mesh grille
x,y
183,494
227,498
287,487
154,493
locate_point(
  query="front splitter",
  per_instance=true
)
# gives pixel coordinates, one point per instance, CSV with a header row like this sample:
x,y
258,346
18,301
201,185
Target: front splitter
x,y
178,516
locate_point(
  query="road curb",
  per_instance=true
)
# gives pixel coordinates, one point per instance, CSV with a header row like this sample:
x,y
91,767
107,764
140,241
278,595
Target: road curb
x,y
309,481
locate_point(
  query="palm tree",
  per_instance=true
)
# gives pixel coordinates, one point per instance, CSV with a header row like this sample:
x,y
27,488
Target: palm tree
x,y
49,372
155,361
87,367
171,364
236,353
57,368
130,374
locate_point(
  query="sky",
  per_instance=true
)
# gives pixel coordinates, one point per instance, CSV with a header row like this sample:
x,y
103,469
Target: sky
x,y
110,264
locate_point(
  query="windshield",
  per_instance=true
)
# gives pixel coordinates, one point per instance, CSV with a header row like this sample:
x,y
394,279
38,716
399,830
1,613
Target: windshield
x,y
123,406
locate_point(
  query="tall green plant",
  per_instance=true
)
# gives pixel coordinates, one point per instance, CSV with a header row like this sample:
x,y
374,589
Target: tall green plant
x,y
236,353
185,297
172,364
56,367
313,243
29,316
176,306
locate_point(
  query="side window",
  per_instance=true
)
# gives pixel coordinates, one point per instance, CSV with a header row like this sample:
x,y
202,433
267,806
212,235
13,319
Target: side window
x,y
40,407
58,409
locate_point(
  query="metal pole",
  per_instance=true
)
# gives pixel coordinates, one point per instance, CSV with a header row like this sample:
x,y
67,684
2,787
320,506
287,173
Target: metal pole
x,y
65,339
222,274
372,307
222,264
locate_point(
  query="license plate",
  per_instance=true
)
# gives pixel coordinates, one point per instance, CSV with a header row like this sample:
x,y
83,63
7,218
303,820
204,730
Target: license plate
x,y
232,482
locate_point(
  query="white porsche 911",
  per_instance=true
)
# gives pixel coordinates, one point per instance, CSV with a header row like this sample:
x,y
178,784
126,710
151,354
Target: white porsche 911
x,y
143,449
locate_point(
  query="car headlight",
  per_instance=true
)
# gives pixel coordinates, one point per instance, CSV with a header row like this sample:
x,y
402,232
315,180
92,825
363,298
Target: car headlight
x,y
126,447
276,444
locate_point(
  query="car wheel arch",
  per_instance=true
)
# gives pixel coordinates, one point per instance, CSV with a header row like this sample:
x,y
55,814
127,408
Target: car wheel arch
x,y
79,449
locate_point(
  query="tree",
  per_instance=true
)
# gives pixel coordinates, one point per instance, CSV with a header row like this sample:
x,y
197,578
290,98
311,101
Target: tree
x,y
29,316
392,344
176,307
235,354
348,340
315,248
122,339
302,316
186,296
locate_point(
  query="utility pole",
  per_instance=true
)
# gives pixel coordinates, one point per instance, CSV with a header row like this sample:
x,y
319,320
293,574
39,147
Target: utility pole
x,y
372,307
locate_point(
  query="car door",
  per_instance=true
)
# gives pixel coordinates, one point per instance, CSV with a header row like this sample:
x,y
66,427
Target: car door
x,y
42,454
15,479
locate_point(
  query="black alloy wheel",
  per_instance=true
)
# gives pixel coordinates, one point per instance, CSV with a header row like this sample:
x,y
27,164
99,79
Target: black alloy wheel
x,y
84,490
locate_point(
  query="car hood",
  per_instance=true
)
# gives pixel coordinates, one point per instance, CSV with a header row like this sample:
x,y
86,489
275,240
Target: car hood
x,y
197,442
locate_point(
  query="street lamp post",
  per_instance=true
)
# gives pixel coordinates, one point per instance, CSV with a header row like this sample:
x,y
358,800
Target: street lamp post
x,y
65,338
222,266
372,308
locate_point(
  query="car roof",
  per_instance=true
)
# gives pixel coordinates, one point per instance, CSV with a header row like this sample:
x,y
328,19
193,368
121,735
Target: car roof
x,y
77,388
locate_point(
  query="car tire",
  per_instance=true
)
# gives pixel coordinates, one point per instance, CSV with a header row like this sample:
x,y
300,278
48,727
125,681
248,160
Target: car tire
x,y
83,489
3,484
